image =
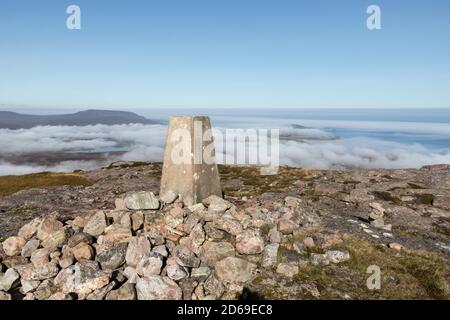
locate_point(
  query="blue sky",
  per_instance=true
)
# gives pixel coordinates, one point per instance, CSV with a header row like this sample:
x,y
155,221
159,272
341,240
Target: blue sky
x,y
225,53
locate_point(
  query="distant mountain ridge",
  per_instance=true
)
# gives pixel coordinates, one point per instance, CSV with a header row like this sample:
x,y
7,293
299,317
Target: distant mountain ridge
x,y
13,120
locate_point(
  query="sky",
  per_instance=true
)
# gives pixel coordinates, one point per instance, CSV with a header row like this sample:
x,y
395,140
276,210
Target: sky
x,y
225,54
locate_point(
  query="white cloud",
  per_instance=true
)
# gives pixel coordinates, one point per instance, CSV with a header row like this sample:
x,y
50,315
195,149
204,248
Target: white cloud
x,y
146,143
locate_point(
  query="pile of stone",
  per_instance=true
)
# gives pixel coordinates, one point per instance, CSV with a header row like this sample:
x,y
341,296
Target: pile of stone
x,y
152,248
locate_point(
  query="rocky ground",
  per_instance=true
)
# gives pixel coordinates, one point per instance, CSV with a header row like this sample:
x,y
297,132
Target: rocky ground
x,y
300,234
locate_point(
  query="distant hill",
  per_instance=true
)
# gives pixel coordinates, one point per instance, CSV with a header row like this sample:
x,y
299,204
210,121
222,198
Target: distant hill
x,y
13,120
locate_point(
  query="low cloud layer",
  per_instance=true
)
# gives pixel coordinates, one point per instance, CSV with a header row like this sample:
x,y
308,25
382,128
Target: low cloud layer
x,y
146,143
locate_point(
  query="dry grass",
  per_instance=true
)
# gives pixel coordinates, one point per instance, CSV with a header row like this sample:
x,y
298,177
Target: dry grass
x,y
12,184
409,274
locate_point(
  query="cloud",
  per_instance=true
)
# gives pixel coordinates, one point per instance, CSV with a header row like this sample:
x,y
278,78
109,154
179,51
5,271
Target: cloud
x,y
146,143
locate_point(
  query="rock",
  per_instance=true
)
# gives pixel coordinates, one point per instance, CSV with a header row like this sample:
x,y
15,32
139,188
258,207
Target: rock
x,y
29,296
30,229
131,274
395,246
215,251
197,236
175,271
292,202
158,288
96,225
270,255
66,261
309,242
44,272
31,246
200,274
45,290
274,235
101,293
288,270
337,256
234,269
40,258
286,226
213,232
230,225
161,250
137,220
47,227
378,223
310,219
29,285
9,280
60,296
142,200
112,258
197,208
216,204
13,262
318,259
169,197
213,286
119,204
249,243
377,211
138,247
4,296
55,240
80,237
126,292
114,234
149,265
187,286
83,251
186,257
82,278
13,246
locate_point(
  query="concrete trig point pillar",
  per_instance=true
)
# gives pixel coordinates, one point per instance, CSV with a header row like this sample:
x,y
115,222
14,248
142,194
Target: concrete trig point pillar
x,y
190,168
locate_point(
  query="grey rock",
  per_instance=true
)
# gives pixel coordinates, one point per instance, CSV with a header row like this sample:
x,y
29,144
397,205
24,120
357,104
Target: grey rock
x,y
138,247
200,274
158,288
9,279
289,269
142,200
270,255
169,197
112,258
31,246
337,256
149,265
234,269
96,224
186,257
126,292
